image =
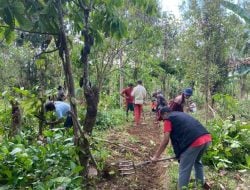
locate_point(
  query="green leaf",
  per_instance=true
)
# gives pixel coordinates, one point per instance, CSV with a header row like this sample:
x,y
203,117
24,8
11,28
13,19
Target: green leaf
x,y
15,151
77,169
116,3
247,157
5,150
235,144
68,140
18,7
8,17
65,180
7,172
9,35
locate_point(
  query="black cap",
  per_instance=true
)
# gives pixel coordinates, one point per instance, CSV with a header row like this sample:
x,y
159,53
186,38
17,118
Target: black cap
x,y
139,82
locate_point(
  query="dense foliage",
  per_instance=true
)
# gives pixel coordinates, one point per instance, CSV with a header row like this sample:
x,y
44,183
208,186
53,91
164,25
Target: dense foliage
x,y
230,145
96,48
26,164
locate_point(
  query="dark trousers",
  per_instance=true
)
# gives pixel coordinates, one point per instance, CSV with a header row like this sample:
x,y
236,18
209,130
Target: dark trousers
x,y
68,122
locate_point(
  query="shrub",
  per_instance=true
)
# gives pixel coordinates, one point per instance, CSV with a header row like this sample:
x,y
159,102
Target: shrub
x,y
107,119
230,144
37,165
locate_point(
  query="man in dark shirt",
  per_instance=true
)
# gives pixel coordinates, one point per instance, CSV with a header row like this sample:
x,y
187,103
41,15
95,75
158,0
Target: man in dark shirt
x,y
189,139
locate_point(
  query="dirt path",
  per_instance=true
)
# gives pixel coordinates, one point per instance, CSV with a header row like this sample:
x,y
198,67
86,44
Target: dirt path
x,y
138,144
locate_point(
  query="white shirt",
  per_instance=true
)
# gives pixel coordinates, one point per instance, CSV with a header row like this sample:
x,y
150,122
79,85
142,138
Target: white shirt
x,y
139,93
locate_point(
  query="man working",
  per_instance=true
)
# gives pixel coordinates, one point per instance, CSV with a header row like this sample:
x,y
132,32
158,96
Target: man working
x,y
178,103
189,139
139,93
126,93
62,110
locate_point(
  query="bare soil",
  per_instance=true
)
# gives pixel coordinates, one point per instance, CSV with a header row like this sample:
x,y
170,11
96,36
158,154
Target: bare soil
x,y
136,144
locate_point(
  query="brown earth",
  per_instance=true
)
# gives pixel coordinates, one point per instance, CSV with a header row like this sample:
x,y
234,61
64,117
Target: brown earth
x,y
137,144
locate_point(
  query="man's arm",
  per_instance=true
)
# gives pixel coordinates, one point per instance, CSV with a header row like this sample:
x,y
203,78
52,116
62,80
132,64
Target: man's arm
x,y
162,147
123,93
133,92
178,99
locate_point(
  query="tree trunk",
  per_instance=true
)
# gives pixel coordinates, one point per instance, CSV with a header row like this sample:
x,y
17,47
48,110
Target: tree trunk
x,y
164,85
91,94
206,33
16,119
65,57
121,77
243,86
41,117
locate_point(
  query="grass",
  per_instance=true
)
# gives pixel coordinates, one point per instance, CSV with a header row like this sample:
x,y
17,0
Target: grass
x,y
230,180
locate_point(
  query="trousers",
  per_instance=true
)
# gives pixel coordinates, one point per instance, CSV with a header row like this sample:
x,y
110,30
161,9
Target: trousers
x,y
191,158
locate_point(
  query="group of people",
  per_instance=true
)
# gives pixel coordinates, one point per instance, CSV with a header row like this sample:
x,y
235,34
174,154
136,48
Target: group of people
x,y
189,137
135,98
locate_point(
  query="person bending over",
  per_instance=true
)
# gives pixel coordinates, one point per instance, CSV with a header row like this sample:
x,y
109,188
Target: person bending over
x,y
189,139
62,110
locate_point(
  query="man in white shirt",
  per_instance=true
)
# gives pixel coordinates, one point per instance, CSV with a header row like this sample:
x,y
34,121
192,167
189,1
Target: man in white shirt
x,y
139,93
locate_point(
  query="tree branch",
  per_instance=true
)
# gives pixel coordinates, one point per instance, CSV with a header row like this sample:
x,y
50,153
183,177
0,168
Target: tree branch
x,y
51,51
31,32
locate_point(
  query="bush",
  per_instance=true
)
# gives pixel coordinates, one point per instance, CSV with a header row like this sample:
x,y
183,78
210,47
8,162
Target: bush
x,y
37,165
226,104
108,119
244,111
230,144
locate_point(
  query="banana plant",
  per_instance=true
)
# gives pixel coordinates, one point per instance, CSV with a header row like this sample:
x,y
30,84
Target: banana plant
x,y
243,13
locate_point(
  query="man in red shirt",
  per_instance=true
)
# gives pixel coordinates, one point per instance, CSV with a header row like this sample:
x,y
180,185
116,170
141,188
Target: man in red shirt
x,y
126,93
189,139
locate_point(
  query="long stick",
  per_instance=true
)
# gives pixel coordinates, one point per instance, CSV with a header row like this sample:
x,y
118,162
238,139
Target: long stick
x,y
150,161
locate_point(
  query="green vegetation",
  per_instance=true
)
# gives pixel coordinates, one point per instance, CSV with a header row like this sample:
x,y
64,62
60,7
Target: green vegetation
x,y
94,49
229,140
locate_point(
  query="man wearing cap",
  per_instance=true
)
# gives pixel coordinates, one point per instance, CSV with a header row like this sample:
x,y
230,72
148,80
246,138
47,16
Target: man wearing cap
x,y
189,139
178,103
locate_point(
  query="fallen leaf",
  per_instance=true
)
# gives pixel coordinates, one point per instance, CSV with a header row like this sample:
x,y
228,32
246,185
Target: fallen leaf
x,y
222,187
222,172
152,142
238,177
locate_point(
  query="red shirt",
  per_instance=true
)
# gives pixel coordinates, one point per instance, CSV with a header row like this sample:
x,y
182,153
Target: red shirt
x,y
198,142
127,93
